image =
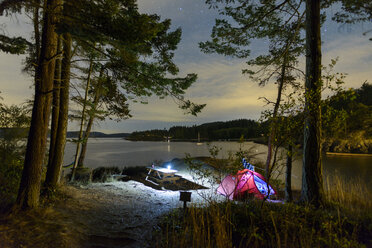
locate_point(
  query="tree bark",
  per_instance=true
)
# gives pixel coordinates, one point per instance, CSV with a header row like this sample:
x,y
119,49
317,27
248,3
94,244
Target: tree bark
x,y
288,175
54,168
85,140
29,190
55,106
312,181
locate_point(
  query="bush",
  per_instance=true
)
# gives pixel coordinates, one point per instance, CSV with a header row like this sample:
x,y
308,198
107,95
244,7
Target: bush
x,y
103,174
133,171
10,177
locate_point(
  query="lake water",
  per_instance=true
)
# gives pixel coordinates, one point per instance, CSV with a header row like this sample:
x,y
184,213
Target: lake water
x,y
123,153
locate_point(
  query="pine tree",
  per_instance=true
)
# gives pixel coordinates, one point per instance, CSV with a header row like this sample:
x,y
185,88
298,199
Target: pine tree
x,y
29,190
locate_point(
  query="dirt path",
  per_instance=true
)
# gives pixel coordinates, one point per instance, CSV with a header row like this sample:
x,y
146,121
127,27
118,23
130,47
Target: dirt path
x,y
98,215
118,214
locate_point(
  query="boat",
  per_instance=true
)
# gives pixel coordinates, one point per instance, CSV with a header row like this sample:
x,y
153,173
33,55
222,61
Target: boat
x,y
199,143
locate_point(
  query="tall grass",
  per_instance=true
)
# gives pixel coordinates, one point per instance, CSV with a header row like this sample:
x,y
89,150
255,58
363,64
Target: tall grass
x,y
350,195
344,222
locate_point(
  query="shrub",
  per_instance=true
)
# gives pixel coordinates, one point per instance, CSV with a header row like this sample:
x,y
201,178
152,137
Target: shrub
x,y
103,174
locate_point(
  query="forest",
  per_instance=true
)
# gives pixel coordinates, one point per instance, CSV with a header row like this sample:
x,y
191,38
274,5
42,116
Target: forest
x,y
229,130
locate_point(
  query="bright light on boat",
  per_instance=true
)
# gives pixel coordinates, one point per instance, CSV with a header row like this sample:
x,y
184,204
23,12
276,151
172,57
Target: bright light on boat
x,y
169,167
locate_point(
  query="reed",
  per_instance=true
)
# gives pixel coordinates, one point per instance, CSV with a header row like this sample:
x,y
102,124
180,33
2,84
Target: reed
x,y
351,195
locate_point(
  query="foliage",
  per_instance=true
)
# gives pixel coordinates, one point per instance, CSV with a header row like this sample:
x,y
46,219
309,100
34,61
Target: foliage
x,y
14,121
133,171
103,174
343,108
14,45
136,49
353,11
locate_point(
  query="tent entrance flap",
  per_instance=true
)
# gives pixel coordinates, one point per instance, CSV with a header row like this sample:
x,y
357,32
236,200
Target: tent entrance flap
x,y
262,186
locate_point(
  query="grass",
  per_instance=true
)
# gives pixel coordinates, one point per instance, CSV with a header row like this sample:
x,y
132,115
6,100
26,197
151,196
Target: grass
x,y
345,221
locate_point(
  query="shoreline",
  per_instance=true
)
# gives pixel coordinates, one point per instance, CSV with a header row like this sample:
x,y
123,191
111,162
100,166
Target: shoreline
x,y
348,154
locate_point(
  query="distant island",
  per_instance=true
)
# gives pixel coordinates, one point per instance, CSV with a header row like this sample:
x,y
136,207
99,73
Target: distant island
x,y
220,130
75,134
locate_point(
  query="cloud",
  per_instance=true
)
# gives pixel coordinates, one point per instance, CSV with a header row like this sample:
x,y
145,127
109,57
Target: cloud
x,y
14,85
227,93
355,58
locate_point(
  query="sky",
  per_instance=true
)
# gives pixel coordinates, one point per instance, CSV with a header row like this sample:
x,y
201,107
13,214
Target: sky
x,y
228,94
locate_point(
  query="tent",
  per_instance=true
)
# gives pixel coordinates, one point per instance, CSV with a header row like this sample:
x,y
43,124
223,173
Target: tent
x,y
245,183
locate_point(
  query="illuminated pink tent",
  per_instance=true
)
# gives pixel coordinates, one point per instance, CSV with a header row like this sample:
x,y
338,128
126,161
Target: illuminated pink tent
x,y
245,182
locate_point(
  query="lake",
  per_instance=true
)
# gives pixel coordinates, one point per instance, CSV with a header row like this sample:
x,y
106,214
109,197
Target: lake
x,y
123,153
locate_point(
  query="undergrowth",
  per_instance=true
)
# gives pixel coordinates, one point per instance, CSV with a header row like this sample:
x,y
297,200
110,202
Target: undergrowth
x,y
345,221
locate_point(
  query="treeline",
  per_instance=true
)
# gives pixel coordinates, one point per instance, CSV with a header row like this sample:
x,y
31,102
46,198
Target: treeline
x,y
347,121
75,134
228,130
347,114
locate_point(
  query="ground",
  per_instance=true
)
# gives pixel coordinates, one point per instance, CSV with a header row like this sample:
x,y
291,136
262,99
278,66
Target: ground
x,y
113,214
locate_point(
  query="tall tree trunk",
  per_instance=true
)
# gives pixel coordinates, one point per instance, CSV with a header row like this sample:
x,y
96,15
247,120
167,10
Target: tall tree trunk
x,y
90,121
274,118
54,168
29,189
55,105
85,139
81,123
288,175
312,181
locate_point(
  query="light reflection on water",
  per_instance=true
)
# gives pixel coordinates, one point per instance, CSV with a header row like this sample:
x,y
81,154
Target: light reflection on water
x,y
123,153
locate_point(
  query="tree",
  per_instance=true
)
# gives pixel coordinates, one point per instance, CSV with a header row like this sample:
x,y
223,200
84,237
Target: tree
x,y
312,180
56,152
107,101
280,24
14,123
29,190
127,40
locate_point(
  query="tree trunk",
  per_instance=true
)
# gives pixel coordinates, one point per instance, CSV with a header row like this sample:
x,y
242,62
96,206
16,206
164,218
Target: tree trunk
x,y
312,181
85,141
274,118
55,105
90,122
81,123
29,189
54,169
288,176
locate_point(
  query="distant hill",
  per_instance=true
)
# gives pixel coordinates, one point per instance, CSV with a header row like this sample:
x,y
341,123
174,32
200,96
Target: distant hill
x,y
74,134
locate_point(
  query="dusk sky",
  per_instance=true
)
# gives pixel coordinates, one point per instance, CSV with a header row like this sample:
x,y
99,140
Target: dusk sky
x,y
228,94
